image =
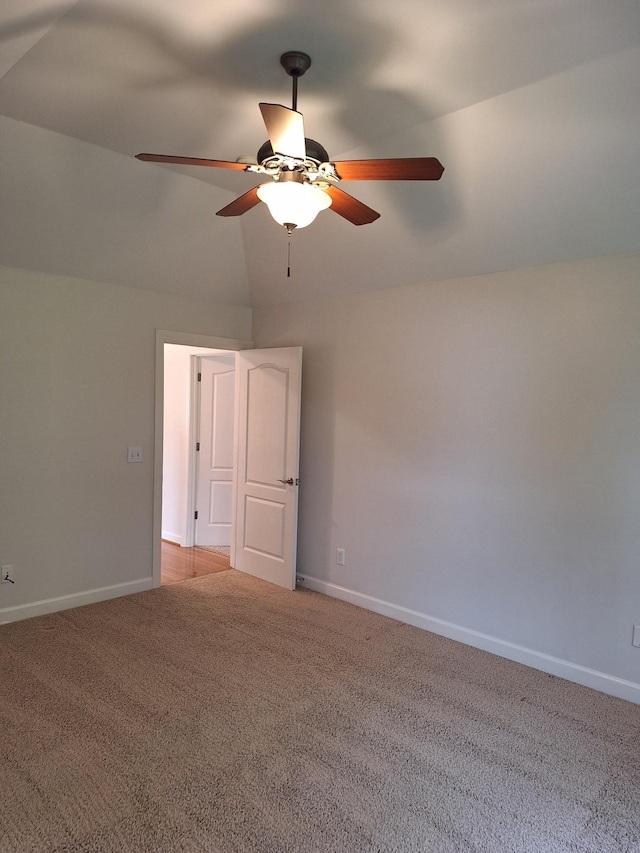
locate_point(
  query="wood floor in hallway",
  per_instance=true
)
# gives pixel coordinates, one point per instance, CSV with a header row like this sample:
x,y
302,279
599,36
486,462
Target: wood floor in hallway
x,y
181,564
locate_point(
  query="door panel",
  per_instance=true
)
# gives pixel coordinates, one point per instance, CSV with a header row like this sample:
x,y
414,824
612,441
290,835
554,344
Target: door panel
x,y
268,429
267,389
264,527
220,503
214,500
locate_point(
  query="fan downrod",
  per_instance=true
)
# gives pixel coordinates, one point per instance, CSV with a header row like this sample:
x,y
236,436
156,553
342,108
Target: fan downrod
x,y
295,63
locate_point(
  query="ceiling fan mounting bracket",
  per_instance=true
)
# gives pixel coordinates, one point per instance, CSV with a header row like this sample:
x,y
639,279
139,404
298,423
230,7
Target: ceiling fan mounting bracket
x,y
295,63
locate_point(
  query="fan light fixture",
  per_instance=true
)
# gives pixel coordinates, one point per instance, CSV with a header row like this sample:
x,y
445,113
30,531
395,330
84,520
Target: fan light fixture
x,y
293,203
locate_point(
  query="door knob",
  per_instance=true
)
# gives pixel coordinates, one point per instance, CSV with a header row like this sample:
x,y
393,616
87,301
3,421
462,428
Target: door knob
x,y
288,482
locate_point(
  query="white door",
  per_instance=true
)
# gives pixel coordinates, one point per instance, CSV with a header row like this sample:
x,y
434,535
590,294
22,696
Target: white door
x,y
214,490
268,431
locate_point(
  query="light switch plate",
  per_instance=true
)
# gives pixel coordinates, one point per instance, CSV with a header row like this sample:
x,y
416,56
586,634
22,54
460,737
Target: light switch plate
x,y
134,454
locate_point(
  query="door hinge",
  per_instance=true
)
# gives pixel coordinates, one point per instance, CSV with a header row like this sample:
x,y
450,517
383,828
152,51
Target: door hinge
x,y
197,445
195,515
199,377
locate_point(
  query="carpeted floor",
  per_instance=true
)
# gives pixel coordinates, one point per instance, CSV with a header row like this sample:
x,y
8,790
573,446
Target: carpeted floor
x,y
224,714
222,550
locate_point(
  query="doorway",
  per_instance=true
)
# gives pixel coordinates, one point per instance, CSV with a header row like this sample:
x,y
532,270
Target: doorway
x,y
197,466
172,503
267,440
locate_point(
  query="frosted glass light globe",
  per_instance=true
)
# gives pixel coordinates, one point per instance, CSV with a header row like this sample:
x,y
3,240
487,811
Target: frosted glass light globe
x,y
293,203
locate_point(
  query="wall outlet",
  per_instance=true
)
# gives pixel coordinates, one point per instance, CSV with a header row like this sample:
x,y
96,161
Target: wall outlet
x,y
340,556
7,574
134,454
635,639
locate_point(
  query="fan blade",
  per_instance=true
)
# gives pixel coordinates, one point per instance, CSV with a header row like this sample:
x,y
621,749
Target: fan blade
x,y
285,128
349,207
410,169
241,205
191,161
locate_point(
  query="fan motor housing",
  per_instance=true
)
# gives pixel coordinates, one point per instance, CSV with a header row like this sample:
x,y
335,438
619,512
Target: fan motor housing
x,y
314,151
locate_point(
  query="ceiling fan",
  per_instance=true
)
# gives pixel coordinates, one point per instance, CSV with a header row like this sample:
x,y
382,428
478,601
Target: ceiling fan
x,y
304,180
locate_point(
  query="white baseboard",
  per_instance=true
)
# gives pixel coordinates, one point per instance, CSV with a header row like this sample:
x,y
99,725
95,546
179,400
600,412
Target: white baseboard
x,y
65,602
172,537
529,657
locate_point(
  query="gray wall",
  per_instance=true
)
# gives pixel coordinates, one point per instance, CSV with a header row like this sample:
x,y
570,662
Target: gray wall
x,y
474,446
77,373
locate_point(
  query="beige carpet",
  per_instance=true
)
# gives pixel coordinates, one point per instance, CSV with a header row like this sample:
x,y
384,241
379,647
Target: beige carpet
x,y
223,714
221,550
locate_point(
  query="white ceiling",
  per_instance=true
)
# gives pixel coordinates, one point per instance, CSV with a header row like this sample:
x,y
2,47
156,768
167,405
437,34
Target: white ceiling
x,y
531,105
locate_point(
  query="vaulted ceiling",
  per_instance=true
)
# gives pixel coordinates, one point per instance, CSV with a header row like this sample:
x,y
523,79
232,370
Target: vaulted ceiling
x,y
532,106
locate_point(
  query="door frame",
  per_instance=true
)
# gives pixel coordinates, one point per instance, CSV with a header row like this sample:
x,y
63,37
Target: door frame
x,y
164,336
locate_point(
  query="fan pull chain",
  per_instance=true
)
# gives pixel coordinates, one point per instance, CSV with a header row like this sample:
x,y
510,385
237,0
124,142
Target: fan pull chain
x,y
289,228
